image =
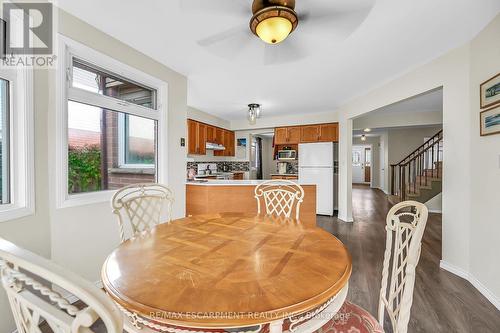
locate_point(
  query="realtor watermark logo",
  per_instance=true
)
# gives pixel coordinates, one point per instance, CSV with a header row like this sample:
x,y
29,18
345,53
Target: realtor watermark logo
x,y
27,34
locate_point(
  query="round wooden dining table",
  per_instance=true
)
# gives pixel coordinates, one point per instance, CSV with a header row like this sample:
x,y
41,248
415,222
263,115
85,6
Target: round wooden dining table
x,y
229,270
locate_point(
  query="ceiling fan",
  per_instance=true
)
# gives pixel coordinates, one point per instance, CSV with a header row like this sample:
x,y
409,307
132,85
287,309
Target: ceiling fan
x,y
287,32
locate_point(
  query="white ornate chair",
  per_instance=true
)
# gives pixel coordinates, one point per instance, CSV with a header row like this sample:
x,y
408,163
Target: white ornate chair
x,y
30,282
143,205
405,227
279,197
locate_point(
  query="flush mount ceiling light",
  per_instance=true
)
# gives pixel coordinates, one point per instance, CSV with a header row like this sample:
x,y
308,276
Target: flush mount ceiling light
x,y
367,130
253,113
273,20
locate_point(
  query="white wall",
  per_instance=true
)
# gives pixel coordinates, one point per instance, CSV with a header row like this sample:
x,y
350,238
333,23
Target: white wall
x,y
376,120
207,118
485,169
471,168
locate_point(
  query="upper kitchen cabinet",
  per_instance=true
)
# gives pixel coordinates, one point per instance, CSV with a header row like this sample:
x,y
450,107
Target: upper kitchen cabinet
x,y
199,134
328,133
211,134
287,135
306,134
309,133
230,146
228,142
197,137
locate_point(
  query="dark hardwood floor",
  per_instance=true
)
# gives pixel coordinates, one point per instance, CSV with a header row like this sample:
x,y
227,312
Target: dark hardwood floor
x,y
442,301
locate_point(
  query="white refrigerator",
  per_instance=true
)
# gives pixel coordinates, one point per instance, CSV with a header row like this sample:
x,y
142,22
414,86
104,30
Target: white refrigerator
x,y
318,165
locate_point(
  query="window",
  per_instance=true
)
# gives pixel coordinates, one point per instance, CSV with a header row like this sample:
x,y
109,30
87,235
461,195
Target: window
x,y
5,142
111,121
16,144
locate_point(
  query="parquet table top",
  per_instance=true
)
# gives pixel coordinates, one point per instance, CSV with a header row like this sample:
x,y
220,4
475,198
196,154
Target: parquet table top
x,y
226,270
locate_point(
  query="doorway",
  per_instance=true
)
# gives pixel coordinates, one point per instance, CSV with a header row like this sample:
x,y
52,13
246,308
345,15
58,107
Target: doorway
x,y
361,164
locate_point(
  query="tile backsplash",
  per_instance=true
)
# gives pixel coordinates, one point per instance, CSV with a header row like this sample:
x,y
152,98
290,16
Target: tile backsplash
x,y
233,166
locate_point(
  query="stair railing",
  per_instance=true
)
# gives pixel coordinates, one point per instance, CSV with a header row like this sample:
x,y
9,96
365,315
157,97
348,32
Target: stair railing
x,y
418,167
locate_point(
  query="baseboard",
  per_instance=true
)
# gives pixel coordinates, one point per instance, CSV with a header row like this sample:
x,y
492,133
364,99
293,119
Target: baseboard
x,y
436,211
475,282
345,219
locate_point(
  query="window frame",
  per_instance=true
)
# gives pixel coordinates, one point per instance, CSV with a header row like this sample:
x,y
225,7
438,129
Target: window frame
x,y
69,49
21,144
122,147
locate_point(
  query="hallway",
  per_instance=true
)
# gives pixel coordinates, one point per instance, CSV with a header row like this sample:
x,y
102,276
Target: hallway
x,y
442,301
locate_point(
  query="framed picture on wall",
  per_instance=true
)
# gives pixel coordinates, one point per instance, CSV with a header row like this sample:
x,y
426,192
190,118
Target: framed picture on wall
x,y
490,91
490,121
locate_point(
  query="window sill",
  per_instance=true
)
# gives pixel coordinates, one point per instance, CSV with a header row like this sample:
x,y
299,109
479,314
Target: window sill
x,y
13,213
135,171
83,199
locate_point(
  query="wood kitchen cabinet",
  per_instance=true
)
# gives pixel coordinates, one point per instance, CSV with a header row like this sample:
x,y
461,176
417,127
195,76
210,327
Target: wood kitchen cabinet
x,y
219,136
287,135
328,133
293,135
197,137
199,134
228,142
211,135
309,133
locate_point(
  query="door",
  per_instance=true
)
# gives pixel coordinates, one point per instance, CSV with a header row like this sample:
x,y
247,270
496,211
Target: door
x,y
211,134
293,135
280,135
358,175
323,179
192,137
316,154
202,139
328,133
309,133
368,164
229,144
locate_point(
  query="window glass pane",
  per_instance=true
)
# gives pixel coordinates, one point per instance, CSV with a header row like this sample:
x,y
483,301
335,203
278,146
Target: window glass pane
x,y
95,80
4,142
139,141
94,145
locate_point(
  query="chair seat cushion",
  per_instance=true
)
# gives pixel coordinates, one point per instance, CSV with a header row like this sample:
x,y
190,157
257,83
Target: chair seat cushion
x,y
351,319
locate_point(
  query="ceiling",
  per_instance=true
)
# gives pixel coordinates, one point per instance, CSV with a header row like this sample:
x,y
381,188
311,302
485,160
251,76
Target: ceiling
x,y
323,64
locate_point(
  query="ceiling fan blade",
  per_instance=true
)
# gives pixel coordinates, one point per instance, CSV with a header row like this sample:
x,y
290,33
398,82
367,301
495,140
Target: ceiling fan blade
x,y
337,19
228,43
232,33
224,7
290,50
336,24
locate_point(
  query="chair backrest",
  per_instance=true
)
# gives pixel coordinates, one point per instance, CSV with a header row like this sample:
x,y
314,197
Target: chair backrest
x,y
279,197
143,206
405,227
31,282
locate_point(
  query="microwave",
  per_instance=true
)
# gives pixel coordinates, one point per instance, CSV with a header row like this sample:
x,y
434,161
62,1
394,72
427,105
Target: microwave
x,y
287,155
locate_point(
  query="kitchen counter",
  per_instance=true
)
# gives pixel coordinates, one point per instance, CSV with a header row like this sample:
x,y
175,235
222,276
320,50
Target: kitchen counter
x,y
285,174
238,196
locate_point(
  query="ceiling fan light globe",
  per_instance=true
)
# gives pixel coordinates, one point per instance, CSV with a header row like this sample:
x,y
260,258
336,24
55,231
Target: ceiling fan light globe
x,y
274,29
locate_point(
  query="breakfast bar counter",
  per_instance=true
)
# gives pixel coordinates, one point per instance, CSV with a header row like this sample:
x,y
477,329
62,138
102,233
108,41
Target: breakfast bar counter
x,y
238,196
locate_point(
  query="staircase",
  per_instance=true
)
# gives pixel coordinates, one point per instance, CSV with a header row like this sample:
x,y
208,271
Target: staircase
x,y
419,175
